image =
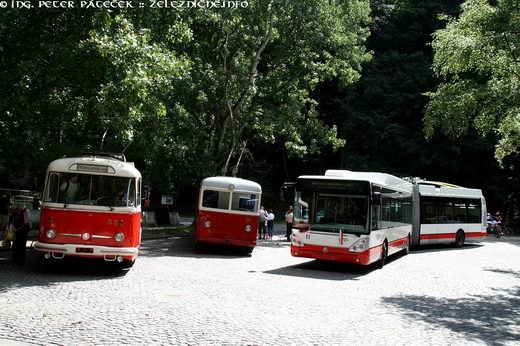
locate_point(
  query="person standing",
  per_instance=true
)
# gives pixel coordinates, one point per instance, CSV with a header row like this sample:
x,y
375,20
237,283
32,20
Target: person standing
x,y
262,232
270,223
289,222
21,229
5,205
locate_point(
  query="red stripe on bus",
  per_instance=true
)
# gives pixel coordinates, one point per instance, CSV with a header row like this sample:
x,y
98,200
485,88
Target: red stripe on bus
x,y
398,242
451,235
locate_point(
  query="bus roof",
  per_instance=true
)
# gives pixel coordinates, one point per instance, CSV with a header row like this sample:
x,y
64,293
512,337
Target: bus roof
x,y
239,184
95,165
382,179
448,191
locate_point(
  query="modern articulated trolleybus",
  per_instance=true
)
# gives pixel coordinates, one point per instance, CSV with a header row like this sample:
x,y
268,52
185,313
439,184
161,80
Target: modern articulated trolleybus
x,y
354,217
445,213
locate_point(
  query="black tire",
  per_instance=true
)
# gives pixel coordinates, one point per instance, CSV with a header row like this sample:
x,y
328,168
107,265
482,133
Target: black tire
x,y
197,246
249,249
459,238
406,250
384,255
127,264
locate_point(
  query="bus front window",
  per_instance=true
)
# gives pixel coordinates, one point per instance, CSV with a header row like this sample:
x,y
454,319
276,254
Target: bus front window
x,y
87,189
341,212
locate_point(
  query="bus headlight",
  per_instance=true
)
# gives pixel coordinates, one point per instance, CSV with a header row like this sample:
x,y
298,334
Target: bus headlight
x,y
207,224
248,228
295,241
119,236
360,245
50,233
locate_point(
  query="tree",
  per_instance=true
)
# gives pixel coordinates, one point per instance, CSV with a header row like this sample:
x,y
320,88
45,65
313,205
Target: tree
x,y
254,70
478,57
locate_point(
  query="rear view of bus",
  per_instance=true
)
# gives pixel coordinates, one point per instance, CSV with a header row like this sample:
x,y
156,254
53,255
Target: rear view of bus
x,y
91,208
228,212
353,217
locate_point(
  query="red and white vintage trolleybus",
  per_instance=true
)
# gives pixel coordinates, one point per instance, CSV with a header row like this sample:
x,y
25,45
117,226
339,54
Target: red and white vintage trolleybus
x,y
91,208
228,212
353,217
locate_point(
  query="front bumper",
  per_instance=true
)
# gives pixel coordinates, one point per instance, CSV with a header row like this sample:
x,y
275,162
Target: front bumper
x,y
227,241
107,252
336,254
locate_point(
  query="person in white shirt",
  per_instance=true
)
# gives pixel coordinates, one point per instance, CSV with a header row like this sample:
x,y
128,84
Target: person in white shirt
x,y
270,223
262,232
289,222
70,188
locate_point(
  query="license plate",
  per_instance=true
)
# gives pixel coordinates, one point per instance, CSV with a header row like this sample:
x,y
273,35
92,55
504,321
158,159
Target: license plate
x,y
84,250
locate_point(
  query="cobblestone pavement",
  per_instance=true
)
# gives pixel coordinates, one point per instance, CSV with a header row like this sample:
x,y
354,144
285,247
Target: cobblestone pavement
x,y
434,296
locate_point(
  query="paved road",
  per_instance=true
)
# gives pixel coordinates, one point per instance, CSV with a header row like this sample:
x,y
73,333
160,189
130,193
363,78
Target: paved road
x,y
433,296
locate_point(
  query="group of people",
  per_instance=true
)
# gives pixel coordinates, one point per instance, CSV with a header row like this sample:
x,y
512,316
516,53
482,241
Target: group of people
x,y
266,223
14,227
495,224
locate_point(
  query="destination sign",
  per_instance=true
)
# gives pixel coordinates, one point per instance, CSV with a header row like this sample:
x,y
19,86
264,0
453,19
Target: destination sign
x,y
94,168
334,186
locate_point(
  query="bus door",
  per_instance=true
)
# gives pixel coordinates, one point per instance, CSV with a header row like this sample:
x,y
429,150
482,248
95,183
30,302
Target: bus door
x,y
430,213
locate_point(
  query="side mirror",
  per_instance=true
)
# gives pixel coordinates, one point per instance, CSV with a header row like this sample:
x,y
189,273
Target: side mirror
x,y
302,226
287,192
376,198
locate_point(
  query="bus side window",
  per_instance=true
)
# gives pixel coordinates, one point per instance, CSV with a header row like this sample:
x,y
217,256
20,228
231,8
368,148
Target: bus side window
x,y
138,199
53,188
131,193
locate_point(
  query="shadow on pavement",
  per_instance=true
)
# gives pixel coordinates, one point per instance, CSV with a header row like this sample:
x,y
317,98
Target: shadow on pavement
x,y
489,319
443,247
515,274
36,273
183,247
324,270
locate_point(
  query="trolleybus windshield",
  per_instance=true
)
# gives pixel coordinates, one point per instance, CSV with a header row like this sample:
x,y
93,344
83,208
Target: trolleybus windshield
x,y
333,206
87,189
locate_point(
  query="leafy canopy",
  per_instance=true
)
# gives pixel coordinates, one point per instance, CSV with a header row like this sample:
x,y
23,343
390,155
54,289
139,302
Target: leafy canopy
x,y
478,56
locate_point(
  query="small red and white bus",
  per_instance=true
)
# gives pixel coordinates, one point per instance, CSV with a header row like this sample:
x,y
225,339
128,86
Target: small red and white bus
x,y
446,213
353,217
228,212
91,208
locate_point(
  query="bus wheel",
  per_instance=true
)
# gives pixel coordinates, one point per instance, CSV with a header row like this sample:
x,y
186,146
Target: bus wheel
x,y
249,249
127,264
197,246
459,238
384,254
406,250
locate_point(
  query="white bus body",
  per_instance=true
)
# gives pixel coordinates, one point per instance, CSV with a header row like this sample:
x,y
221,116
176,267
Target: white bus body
x,y
354,217
445,213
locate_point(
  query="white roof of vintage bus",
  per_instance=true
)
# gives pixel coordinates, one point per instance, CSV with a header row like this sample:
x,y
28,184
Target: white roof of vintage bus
x,y
121,168
448,191
382,179
224,183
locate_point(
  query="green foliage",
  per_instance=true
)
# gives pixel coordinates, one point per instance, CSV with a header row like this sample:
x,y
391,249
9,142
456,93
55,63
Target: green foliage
x,y
186,87
478,56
